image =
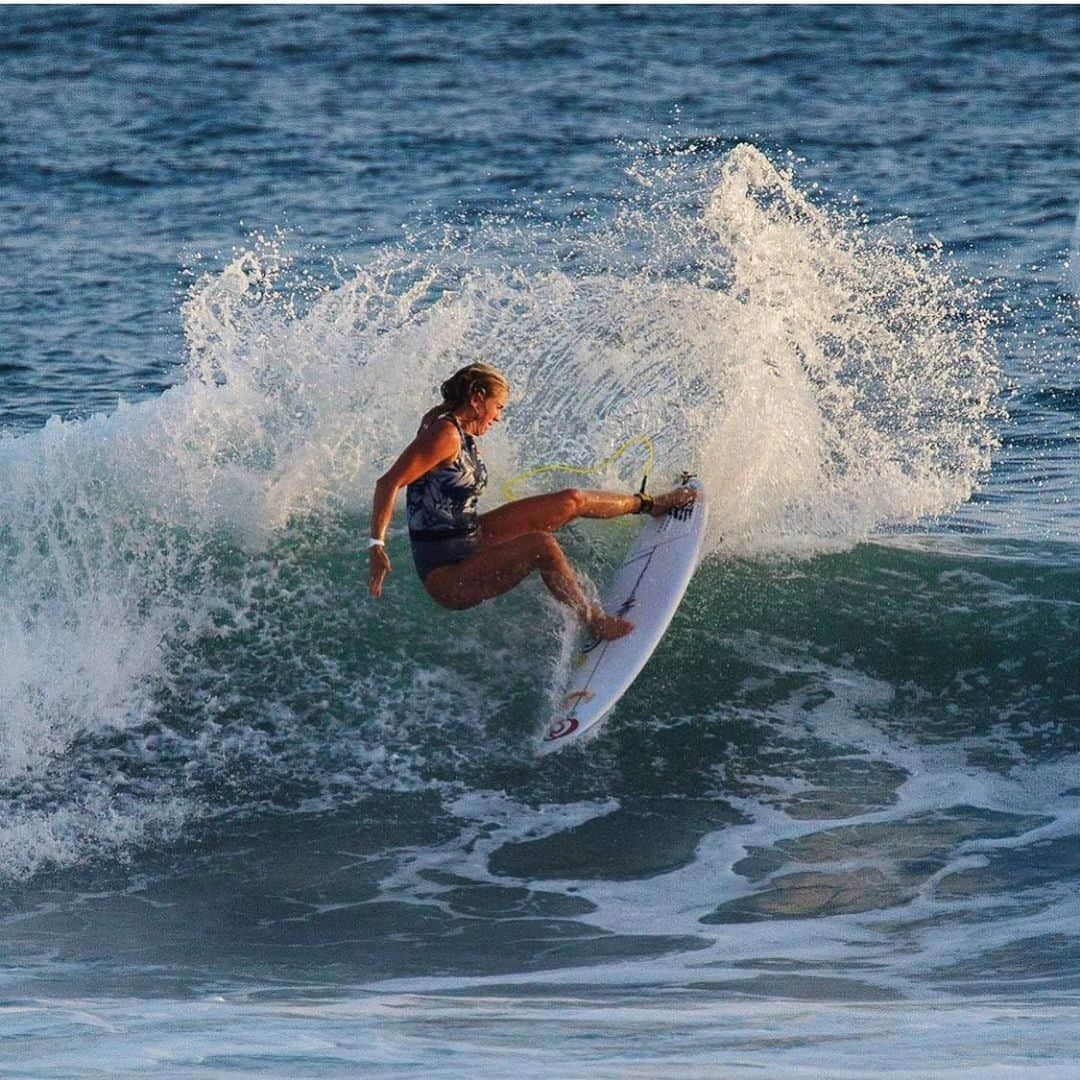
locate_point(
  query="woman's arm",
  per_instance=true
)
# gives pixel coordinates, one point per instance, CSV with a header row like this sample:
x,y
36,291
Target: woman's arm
x,y
433,446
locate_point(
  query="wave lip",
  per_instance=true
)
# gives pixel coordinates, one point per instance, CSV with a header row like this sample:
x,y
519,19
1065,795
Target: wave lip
x,y
865,374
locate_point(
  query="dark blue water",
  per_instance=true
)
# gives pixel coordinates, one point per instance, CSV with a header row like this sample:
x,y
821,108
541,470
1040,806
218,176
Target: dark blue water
x,y
251,820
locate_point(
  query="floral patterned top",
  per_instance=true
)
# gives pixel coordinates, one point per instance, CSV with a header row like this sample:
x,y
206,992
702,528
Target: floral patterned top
x,y
442,503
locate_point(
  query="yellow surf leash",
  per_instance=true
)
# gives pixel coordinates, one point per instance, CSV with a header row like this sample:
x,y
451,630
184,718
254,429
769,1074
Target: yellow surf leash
x,y
511,485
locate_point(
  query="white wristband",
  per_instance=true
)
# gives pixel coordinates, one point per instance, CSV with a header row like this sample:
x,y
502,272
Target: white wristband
x,y
375,542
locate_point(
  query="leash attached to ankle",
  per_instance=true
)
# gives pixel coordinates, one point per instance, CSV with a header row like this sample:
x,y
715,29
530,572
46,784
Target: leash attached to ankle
x,y
645,502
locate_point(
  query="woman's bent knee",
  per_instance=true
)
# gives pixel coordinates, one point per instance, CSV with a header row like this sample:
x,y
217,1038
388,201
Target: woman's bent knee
x,y
573,502
544,548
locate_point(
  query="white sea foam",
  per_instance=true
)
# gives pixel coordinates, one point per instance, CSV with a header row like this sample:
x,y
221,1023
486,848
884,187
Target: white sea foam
x,y
609,1034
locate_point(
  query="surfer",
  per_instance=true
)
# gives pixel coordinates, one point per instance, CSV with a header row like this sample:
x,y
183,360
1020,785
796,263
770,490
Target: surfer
x,y
464,557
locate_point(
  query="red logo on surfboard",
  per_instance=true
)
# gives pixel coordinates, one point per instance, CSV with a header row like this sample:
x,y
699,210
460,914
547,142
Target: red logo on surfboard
x,y
561,728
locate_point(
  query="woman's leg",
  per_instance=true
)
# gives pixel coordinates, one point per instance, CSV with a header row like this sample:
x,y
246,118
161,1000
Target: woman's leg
x,y
548,513
497,568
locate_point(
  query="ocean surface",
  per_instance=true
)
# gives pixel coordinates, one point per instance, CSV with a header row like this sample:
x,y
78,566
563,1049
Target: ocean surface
x,y
253,822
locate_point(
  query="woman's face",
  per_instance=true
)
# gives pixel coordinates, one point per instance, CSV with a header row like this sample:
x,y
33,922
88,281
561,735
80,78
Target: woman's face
x,y
489,410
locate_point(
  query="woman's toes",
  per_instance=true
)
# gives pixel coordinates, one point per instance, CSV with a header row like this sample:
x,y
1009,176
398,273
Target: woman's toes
x,y
680,496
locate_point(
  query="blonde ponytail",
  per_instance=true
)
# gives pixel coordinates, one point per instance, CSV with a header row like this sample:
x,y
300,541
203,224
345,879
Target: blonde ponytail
x,y
462,386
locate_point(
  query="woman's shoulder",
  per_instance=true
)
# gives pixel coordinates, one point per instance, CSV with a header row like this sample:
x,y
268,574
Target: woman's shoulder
x,y
442,425
441,434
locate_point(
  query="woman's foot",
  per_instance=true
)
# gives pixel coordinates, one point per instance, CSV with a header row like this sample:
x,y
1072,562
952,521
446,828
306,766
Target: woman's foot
x,y
671,500
605,627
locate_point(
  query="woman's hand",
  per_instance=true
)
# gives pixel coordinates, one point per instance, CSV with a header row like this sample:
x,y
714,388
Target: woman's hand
x,y
379,562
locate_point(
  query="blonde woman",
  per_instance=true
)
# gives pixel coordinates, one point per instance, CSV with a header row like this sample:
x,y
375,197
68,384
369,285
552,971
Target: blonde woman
x,y
464,557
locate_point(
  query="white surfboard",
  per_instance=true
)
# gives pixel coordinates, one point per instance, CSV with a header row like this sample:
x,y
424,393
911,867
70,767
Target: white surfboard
x,y
646,591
